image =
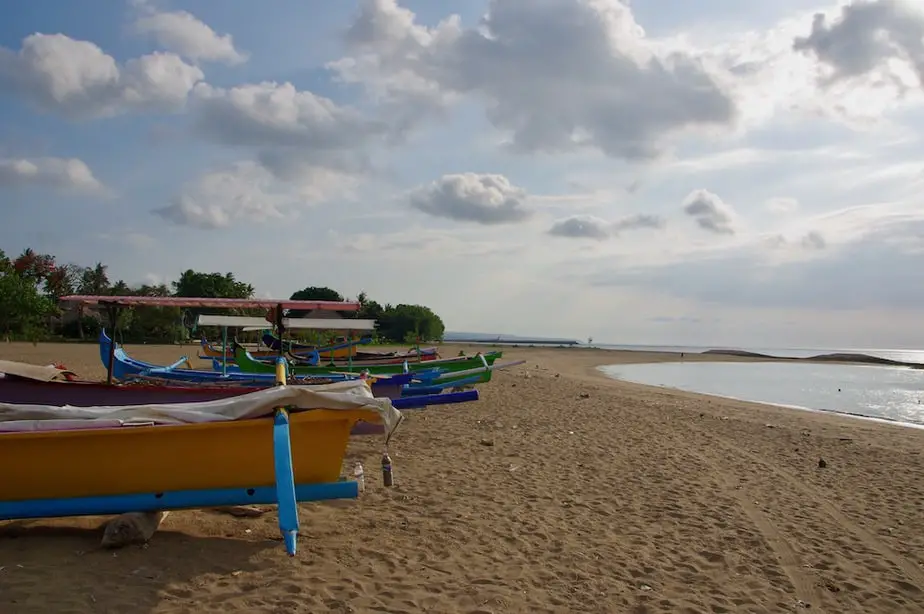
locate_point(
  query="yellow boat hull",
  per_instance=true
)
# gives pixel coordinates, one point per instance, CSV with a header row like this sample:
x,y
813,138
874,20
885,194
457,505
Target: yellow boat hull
x,y
339,353
152,459
210,351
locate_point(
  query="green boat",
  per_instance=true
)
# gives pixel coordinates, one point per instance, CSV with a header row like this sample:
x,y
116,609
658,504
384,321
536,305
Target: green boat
x,y
248,364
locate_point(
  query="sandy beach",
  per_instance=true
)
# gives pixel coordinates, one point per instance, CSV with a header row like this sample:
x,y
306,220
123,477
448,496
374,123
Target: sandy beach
x,y
559,491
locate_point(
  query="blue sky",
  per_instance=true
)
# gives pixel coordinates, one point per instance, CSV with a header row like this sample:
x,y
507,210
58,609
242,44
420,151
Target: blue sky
x,y
662,172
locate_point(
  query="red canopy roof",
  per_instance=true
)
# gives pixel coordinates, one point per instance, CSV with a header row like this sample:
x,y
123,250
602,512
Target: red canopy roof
x,y
219,303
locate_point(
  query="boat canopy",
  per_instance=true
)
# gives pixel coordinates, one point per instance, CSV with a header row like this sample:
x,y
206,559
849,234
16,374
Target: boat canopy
x,y
254,323
218,303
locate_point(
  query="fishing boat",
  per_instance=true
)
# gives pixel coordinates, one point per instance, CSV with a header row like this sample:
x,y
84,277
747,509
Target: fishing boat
x,y
279,445
361,358
210,351
298,350
113,306
126,368
246,323
339,350
249,365
315,359
423,381
342,347
27,384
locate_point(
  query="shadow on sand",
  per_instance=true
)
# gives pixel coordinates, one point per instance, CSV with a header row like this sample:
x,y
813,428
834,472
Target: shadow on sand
x,y
49,566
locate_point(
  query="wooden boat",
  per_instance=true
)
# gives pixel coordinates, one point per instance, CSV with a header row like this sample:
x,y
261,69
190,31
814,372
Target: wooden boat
x,y
345,349
299,349
114,304
27,384
249,365
392,386
341,348
58,461
210,351
126,368
30,385
318,359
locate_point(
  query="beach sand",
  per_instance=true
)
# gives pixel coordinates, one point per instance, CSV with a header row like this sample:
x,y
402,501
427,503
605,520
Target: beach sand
x,y
559,491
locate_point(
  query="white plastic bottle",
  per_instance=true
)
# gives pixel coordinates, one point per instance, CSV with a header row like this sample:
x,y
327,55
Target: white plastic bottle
x,y
359,476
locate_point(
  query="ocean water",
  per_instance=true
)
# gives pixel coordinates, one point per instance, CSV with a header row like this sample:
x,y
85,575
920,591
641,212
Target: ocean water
x,y
914,356
887,393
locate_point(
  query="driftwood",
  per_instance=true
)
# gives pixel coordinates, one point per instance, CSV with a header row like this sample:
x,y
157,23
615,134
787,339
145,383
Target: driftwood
x,y
131,528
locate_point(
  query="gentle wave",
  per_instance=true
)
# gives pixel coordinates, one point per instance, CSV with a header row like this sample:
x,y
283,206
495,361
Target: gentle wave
x,y
888,394
903,357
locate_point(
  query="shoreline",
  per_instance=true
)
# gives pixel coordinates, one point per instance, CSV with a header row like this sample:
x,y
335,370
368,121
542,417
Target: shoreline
x,y
560,490
836,356
830,412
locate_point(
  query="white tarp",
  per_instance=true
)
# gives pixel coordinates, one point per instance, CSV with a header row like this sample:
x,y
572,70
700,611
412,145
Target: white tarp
x,y
338,396
35,372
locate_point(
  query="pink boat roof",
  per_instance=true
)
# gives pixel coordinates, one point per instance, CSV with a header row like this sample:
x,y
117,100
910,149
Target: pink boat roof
x,y
218,303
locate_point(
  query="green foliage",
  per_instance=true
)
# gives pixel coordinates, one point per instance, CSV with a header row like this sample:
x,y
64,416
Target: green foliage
x,y
313,293
408,323
23,307
316,293
211,285
32,283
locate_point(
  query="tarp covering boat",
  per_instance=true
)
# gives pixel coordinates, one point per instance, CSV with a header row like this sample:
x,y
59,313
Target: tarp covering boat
x,y
33,372
353,395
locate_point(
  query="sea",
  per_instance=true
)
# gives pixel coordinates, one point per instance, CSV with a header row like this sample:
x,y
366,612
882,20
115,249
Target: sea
x,y
893,394
913,356
889,393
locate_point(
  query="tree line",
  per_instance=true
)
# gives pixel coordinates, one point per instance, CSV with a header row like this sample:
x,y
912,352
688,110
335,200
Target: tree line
x,y
32,284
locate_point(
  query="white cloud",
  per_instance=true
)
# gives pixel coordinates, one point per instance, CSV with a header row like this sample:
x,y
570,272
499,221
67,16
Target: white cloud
x,y
710,212
471,197
874,272
555,76
59,173
244,191
782,205
851,63
811,135
814,240
247,191
581,227
307,145
639,221
183,33
273,114
295,134
593,227
879,36
77,79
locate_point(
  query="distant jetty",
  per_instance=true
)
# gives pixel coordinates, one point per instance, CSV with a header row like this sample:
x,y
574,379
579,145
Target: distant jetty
x,y
836,357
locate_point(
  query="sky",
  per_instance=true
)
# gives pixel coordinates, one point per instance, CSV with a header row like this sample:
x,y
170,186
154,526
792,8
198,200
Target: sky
x,y
666,172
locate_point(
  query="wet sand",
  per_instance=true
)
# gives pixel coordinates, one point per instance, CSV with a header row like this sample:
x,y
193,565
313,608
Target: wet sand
x,y
559,491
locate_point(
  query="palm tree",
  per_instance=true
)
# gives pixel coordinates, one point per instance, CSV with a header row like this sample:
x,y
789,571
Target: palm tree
x,y
93,281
